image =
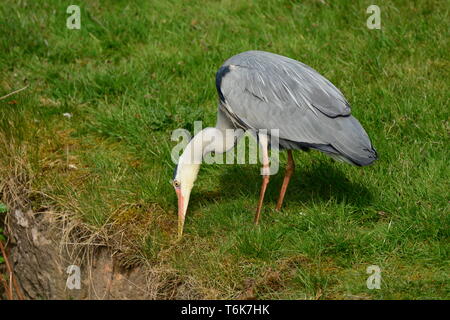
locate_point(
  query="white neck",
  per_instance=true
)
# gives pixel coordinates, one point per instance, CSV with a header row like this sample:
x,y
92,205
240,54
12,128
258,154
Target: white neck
x,y
207,140
204,142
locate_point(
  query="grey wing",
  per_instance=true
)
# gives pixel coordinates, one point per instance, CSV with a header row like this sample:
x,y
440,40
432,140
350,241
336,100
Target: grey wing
x,y
262,90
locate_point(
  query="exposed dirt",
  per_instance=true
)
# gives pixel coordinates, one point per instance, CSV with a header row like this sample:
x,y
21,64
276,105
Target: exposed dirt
x,y
43,243
40,265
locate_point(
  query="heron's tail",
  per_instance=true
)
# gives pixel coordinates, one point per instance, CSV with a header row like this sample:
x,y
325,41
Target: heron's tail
x,y
352,144
344,139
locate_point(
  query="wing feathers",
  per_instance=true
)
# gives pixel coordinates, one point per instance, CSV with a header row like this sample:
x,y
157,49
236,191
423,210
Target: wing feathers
x,y
267,91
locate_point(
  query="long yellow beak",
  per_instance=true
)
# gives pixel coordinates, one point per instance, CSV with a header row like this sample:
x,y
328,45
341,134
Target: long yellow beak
x,y
181,213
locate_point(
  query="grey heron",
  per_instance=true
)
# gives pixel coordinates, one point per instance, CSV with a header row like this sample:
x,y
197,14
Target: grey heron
x,y
260,91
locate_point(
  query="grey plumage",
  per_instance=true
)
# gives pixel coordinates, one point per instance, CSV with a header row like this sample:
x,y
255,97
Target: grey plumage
x,y
262,90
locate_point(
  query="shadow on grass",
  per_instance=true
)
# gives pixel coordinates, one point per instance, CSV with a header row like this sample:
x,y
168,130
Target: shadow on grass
x,y
320,182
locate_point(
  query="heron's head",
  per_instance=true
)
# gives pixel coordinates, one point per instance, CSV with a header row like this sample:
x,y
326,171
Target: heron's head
x,y
184,177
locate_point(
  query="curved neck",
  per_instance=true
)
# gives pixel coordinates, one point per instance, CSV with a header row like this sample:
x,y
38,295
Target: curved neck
x,y
194,151
207,140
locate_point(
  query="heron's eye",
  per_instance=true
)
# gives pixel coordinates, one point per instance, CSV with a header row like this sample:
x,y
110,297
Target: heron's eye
x,y
176,184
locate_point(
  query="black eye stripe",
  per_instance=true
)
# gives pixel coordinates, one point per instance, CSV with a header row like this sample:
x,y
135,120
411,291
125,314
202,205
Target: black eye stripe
x,y
175,172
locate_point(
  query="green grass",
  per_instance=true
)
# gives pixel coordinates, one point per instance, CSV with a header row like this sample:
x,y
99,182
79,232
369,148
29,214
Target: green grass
x,y
138,70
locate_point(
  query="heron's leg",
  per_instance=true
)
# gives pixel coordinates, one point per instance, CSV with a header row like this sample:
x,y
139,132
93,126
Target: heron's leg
x,y
287,177
265,171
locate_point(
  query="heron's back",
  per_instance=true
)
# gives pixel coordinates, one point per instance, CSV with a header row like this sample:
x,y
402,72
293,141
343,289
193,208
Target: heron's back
x,y
262,90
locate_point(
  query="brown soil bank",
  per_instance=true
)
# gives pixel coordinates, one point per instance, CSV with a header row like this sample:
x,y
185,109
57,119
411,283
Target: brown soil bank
x,y
47,269
47,246
43,267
